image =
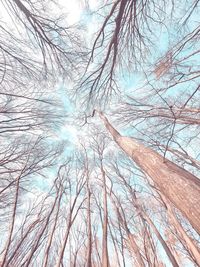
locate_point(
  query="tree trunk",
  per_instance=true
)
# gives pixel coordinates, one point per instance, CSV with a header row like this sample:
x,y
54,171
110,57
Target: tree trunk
x,y
66,235
12,222
50,238
160,238
89,245
178,185
130,237
134,248
193,249
105,222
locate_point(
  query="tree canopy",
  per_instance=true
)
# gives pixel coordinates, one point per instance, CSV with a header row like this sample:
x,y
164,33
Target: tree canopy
x,y
99,133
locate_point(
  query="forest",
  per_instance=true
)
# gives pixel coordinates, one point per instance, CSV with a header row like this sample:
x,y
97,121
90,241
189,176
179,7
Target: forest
x,y
99,133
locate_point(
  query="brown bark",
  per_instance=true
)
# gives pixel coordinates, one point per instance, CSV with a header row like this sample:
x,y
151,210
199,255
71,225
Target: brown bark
x,y
191,246
71,218
66,235
105,262
28,231
178,185
89,245
130,237
161,240
115,246
29,258
49,243
9,240
145,217
134,248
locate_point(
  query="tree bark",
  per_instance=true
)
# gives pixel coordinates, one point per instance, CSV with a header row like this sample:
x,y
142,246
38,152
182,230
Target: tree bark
x,y
105,262
89,245
9,240
178,185
49,243
193,249
130,237
160,238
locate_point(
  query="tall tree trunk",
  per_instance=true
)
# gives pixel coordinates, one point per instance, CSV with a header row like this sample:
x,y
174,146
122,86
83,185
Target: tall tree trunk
x,y
191,246
50,238
115,246
178,185
89,245
27,232
12,222
130,237
160,238
134,248
62,250
105,262
145,218
28,259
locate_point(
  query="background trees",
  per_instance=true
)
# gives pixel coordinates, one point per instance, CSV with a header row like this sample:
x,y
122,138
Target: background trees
x,y
83,202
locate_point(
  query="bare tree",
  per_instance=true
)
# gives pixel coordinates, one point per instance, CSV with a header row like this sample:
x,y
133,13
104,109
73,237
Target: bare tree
x,y
185,191
93,205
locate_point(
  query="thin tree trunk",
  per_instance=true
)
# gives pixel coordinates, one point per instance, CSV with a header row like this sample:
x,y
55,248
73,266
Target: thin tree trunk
x,y
29,257
161,240
193,249
105,262
89,246
66,235
131,240
46,256
71,220
28,231
134,248
178,185
114,244
12,221
145,217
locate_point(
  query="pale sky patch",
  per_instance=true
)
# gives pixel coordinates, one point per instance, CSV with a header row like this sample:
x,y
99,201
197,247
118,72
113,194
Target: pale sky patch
x,y
73,10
